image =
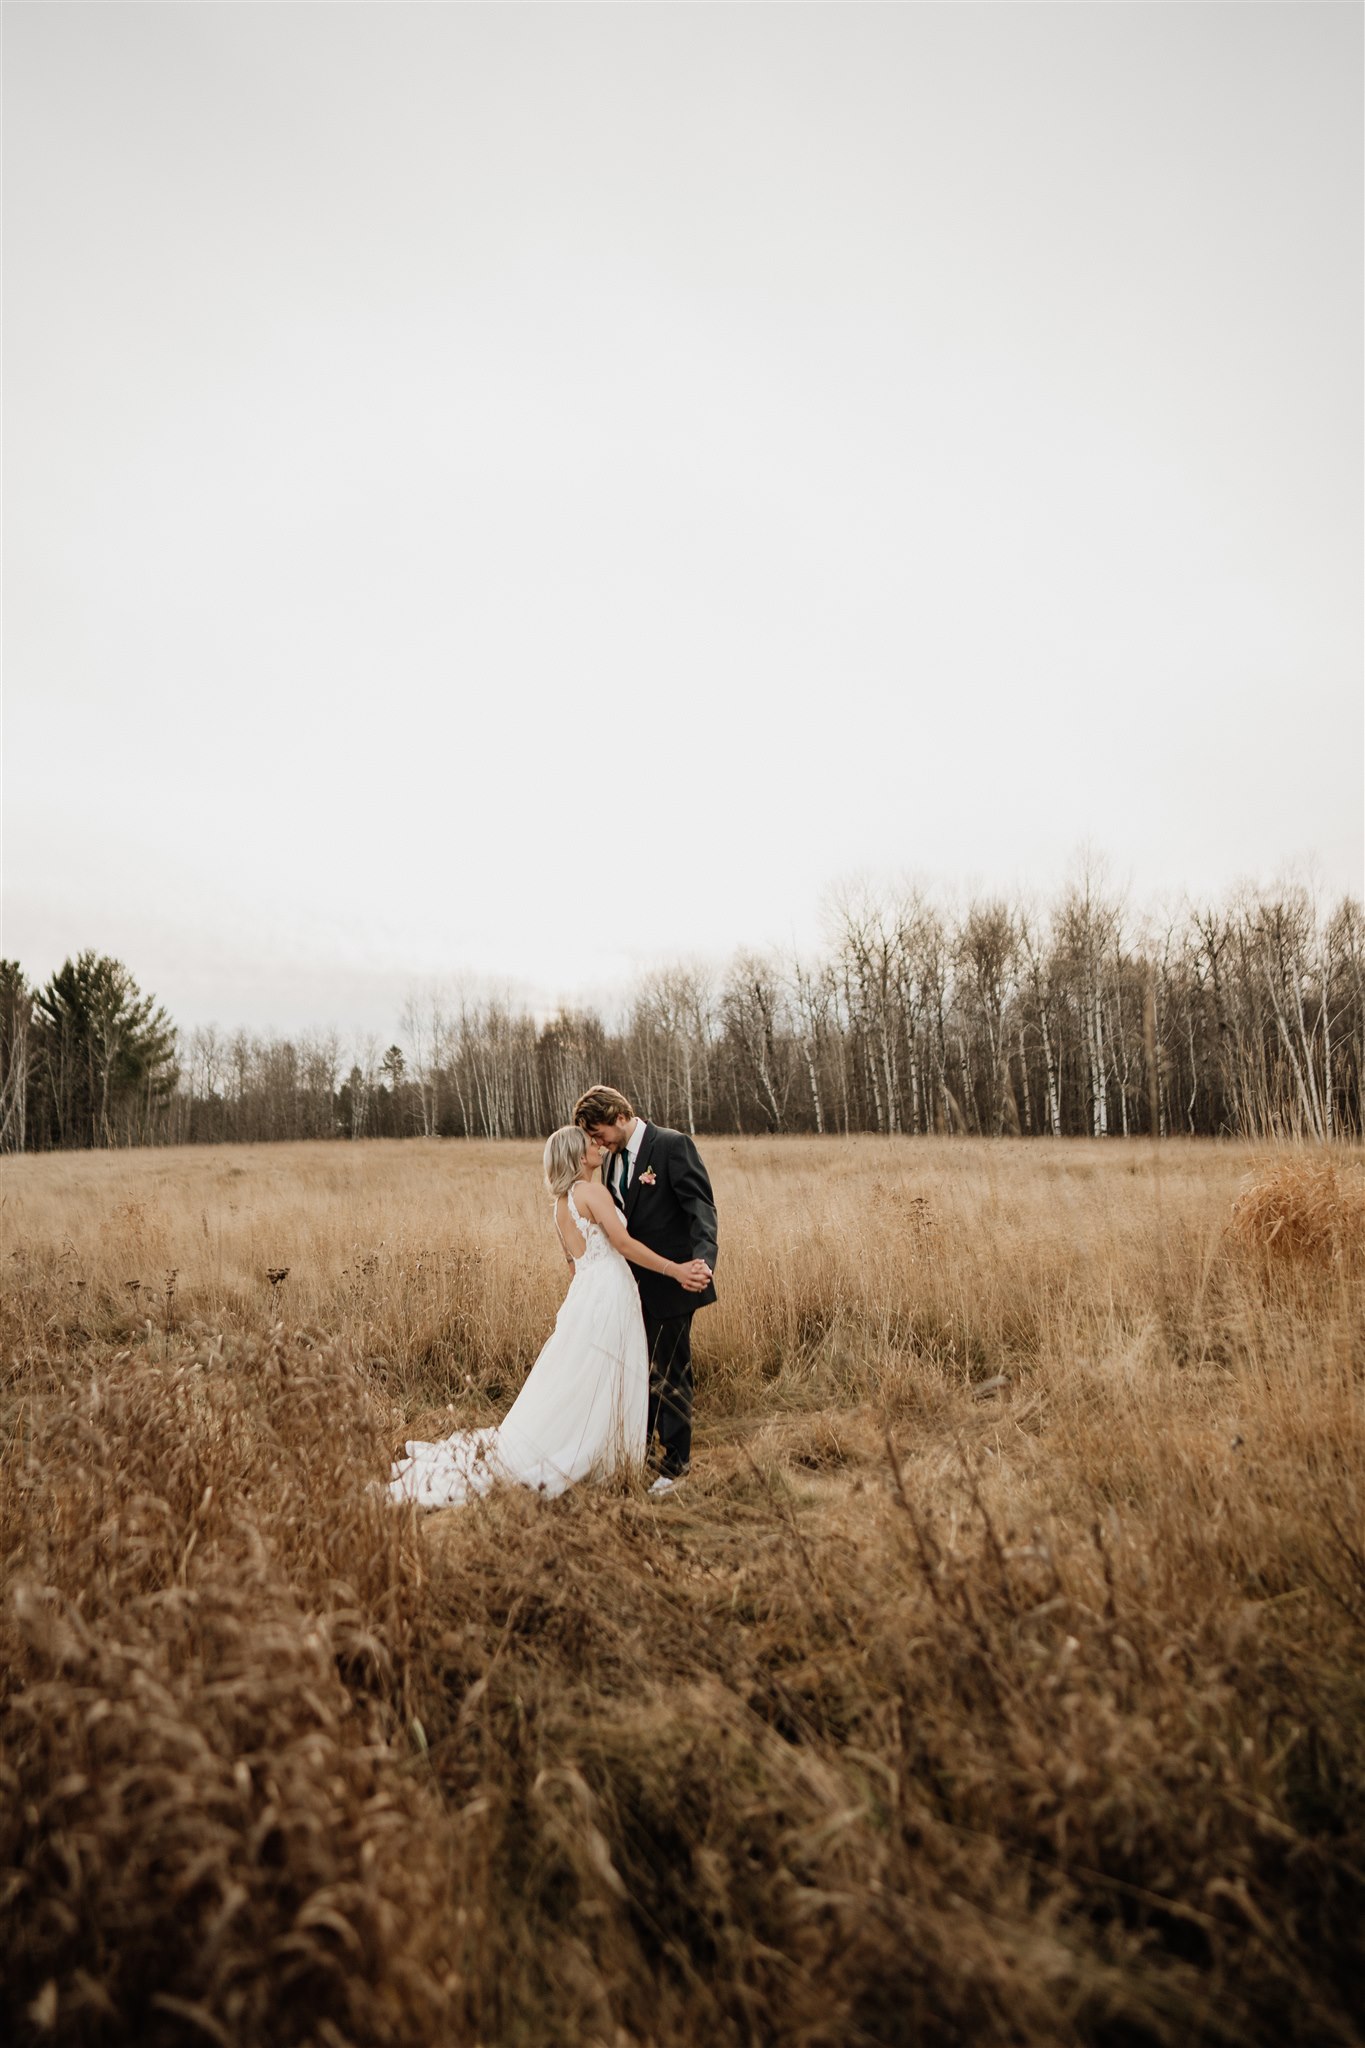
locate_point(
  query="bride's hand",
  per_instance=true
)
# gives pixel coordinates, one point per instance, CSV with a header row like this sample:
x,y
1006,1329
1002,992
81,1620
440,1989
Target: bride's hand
x,y
695,1276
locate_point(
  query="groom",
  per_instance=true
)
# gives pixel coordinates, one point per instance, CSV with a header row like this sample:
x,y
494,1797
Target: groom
x,y
661,1187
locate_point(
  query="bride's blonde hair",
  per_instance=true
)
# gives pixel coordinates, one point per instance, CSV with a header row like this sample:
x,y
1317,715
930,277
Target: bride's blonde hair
x,y
564,1151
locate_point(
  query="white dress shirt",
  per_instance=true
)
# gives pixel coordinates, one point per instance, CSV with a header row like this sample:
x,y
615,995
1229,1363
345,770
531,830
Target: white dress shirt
x,y
632,1152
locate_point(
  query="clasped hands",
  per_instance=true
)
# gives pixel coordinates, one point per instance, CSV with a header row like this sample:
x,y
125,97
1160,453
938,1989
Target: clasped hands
x,y
695,1276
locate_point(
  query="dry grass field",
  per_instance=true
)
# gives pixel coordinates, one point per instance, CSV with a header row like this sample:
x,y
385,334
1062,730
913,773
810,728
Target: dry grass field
x,y
996,1678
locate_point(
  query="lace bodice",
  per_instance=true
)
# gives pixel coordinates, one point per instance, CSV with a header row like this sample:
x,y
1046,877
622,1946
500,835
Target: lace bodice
x,y
596,1245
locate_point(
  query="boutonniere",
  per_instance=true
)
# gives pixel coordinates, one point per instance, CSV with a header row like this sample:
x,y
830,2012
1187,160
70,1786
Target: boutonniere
x,y
648,1177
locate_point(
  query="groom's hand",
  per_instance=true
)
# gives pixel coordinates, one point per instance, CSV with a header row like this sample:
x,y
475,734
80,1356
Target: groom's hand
x,y
696,1276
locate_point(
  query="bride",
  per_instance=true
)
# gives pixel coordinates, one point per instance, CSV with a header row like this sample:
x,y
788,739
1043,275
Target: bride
x,y
584,1406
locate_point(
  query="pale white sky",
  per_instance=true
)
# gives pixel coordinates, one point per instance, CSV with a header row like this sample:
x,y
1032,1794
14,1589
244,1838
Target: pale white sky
x,y
841,438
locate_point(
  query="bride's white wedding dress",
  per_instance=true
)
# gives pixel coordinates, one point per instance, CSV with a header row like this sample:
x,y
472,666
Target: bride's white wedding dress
x,y
583,1410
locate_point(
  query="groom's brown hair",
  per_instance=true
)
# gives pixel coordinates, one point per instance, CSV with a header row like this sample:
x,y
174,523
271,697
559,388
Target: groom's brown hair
x,y
600,1106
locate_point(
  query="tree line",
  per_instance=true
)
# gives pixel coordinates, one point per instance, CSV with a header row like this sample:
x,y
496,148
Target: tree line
x,y
1243,1018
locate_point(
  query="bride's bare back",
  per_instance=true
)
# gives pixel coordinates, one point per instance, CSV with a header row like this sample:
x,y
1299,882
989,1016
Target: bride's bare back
x,y
570,1236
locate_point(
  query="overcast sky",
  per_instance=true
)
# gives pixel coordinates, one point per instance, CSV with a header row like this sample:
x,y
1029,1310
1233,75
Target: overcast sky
x,y
527,491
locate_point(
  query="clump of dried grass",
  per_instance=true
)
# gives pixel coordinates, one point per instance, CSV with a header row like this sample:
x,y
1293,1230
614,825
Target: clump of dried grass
x,y
1305,1209
209,1824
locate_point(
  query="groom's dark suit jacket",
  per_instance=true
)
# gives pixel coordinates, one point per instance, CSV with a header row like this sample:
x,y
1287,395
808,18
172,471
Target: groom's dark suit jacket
x,y
674,1213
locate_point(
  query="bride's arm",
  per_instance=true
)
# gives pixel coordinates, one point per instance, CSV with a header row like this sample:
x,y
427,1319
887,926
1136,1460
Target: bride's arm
x,y
603,1211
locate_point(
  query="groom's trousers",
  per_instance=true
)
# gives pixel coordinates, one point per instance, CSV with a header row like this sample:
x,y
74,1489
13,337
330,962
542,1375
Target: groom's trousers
x,y
670,1390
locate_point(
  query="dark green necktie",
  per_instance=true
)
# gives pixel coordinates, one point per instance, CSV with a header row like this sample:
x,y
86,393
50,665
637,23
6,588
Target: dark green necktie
x,y
625,1173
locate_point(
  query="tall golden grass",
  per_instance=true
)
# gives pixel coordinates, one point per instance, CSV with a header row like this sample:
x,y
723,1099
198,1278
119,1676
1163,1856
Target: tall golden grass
x,y
997,1677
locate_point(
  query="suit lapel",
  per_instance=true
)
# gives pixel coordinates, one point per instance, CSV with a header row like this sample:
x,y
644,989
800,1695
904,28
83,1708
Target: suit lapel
x,y
641,1162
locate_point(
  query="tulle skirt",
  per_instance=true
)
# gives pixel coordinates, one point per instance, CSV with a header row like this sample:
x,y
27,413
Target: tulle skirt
x,y
582,1412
